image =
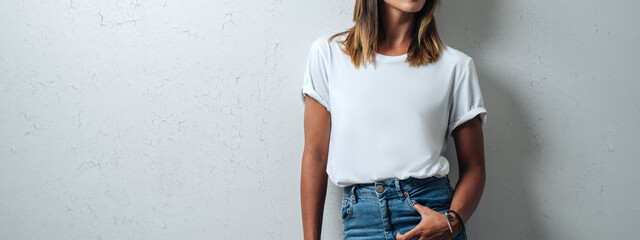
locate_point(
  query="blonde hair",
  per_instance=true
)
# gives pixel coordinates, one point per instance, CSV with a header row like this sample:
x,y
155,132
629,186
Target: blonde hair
x,y
361,42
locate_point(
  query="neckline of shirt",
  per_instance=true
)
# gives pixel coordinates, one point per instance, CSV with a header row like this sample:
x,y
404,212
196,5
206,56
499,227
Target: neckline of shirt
x,y
390,58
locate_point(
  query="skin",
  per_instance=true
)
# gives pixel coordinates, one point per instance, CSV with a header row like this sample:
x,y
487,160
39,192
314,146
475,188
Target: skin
x,y
313,180
397,20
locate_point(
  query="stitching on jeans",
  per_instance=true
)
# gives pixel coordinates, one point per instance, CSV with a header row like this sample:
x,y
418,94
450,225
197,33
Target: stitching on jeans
x,y
409,201
348,208
447,184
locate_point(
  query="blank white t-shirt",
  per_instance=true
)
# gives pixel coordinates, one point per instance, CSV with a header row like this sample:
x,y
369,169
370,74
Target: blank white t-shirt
x,y
392,121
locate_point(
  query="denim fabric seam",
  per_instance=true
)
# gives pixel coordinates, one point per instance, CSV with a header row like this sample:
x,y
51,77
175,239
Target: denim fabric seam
x,y
347,211
410,202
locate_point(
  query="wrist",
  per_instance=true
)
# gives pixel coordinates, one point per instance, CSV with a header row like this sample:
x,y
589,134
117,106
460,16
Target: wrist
x,y
312,235
456,224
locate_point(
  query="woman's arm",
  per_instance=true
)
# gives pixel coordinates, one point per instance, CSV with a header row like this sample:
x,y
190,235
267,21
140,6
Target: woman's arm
x,y
470,149
469,143
313,180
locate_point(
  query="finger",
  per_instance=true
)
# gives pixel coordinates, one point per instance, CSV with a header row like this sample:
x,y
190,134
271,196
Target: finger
x,y
418,207
400,236
423,210
411,234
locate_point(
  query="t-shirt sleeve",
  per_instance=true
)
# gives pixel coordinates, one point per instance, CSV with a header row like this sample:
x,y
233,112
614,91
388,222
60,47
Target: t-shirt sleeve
x,y
315,81
467,99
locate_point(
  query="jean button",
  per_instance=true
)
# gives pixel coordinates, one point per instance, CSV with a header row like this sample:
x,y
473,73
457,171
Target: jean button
x,y
379,188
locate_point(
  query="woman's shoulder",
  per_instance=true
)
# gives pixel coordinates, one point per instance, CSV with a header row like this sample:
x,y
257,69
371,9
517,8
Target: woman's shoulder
x,y
454,56
326,44
325,38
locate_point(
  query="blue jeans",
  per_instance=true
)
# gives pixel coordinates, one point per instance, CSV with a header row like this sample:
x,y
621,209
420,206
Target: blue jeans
x,y
371,212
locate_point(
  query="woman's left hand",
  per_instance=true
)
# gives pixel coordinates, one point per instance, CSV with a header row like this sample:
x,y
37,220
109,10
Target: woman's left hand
x,y
433,226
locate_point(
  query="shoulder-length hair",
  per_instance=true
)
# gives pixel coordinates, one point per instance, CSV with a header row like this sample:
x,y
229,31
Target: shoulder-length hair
x,y
361,42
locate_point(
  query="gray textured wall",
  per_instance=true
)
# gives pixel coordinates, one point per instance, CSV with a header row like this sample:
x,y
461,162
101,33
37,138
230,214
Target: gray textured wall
x,y
182,120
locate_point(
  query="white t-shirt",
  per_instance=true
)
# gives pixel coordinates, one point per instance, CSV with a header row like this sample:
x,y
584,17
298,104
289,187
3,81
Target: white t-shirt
x,y
392,121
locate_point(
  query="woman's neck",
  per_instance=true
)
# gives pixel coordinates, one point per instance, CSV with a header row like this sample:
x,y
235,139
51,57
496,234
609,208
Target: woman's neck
x,y
396,26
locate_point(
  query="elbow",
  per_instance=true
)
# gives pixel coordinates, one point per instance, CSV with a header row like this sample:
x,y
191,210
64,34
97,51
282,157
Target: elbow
x,y
478,168
315,156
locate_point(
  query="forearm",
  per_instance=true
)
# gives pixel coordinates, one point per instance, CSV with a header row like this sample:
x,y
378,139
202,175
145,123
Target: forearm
x,y
468,191
313,189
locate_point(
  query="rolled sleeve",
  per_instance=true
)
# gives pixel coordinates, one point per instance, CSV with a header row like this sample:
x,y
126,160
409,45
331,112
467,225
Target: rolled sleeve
x,y
315,82
467,99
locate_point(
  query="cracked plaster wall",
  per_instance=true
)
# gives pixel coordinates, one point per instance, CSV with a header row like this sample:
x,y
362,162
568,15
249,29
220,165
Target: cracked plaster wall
x,y
181,120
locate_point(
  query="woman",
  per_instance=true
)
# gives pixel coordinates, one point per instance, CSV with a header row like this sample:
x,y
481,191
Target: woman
x,y
385,96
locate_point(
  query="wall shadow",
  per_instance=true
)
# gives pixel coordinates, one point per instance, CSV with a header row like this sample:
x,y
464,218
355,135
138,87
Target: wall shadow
x,y
510,147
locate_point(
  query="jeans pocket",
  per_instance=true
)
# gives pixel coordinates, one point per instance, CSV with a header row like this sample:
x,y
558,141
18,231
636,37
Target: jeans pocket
x,y
436,195
347,210
448,182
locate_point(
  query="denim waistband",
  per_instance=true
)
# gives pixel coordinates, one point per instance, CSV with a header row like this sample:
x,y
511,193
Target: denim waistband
x,y
393,186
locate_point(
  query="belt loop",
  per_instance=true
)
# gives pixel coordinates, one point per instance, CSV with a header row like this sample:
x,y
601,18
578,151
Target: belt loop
x,y
353,193
399,189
